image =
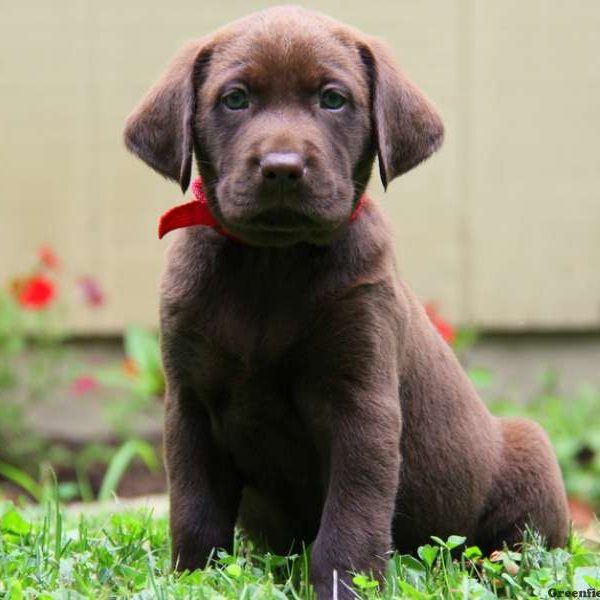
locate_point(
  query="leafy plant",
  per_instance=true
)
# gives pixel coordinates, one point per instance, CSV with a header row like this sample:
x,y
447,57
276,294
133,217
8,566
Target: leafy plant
x,y
120,462
117,463
138,380
142,349
50,553
33,356
141,371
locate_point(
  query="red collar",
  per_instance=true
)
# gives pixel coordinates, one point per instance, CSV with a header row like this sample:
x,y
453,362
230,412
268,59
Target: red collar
x,y
197,212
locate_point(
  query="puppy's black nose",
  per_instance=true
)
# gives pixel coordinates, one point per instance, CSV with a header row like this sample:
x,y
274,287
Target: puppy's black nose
x,y
282,167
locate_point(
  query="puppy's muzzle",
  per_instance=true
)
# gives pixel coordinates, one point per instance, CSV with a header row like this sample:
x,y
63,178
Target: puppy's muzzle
x,y
280,191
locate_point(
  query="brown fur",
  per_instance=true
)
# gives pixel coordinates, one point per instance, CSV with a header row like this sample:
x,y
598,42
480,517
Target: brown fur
x,y
308,394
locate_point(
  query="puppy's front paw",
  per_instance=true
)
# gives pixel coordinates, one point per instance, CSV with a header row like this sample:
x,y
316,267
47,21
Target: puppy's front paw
x,y
192,548
332,577
329,578
335,586
188,558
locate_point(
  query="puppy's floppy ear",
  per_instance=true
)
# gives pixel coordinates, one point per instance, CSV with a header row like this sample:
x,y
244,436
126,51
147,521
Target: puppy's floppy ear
x,y
407,127
159,130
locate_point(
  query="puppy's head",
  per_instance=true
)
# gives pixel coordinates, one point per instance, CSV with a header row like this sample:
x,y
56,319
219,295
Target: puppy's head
x,y
285,111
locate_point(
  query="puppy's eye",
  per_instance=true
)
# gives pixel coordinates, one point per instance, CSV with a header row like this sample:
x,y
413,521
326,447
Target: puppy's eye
x,y
236,99
331,100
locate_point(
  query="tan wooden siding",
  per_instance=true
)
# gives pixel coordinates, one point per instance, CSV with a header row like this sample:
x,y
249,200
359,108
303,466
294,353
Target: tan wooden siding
x,y
502,227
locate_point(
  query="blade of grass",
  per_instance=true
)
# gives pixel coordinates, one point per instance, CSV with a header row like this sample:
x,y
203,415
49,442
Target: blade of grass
x,y
23,480
121,461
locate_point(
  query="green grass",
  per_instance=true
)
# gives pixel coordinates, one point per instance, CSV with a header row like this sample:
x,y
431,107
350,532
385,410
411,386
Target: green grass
x,y
50,554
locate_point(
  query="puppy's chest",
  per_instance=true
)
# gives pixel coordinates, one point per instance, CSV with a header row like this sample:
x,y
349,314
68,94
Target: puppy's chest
x,y
245,323
245,366
258,417
255,314
255,334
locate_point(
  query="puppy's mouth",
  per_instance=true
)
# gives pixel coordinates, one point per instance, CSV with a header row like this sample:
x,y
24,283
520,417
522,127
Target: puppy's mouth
x,y
282,227
281,220
265,220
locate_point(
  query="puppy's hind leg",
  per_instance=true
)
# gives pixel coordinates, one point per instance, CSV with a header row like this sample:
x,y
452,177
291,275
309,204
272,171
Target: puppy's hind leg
x,y
527,490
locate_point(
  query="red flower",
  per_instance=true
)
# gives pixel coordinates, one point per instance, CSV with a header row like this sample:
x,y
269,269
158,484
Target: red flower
x,y
48,258
84,384
445,329
37,293
92,293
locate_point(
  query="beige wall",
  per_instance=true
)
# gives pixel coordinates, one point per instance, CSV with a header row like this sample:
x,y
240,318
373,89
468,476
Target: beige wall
x,y
502,227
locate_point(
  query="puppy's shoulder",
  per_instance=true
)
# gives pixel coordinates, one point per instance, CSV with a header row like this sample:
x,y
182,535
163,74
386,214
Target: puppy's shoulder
x,y
189,261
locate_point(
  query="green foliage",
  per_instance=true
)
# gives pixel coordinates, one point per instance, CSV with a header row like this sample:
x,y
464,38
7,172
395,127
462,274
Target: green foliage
x,y
142,372
122,459
32,359
481,378
118,462
29,367
465,339
23,480
12,341
36,362
142,347
47,554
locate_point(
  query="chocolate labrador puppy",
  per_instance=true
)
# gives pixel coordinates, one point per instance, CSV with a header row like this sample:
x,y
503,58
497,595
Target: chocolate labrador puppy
x,y
309,397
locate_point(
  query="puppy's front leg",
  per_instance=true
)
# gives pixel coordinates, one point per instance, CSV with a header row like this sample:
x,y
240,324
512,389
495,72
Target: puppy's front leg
x,y
204,486
364,462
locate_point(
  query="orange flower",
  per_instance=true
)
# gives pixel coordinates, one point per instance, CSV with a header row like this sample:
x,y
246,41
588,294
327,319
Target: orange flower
x,y
16,286
130,368
445,329
37,293
48,257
